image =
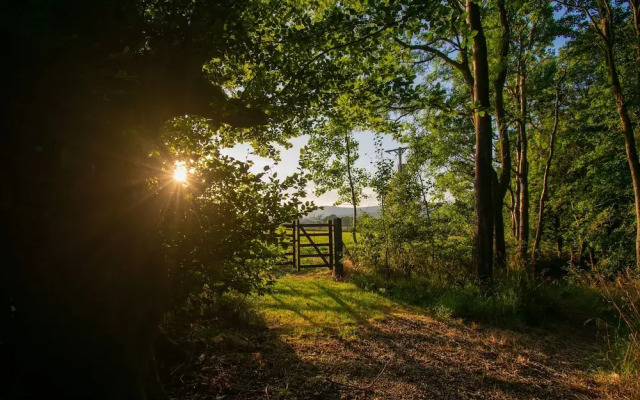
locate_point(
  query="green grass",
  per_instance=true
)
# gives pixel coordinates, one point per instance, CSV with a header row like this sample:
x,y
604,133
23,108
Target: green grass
x,y
511,302
301,303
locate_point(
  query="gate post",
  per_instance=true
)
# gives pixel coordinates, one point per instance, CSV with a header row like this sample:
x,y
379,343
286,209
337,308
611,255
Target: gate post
x,y
332,253
337,250
296,256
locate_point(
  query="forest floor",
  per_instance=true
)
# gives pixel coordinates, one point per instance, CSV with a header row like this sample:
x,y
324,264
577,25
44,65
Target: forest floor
x,y
315,338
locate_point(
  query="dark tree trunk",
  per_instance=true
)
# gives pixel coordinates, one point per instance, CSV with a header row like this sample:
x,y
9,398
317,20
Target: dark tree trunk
x,y
504,177
84,265
523,170
484,215
352,189
635,8
515,215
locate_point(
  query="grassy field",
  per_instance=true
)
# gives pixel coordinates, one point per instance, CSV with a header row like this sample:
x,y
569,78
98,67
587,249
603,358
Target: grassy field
x,y
315,338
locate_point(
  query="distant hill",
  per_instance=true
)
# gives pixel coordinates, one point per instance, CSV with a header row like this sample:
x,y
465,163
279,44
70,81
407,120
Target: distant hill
x,y
341,211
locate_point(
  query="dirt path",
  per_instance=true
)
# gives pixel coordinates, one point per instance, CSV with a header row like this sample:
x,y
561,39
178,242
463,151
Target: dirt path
x,y
329,340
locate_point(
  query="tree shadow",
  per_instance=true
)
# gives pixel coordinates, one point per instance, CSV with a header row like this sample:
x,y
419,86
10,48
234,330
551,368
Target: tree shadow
x,y
420,357
406,354
245,362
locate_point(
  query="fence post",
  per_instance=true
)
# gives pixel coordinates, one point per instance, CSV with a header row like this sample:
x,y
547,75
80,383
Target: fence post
x,y
297,250
337,243
331,249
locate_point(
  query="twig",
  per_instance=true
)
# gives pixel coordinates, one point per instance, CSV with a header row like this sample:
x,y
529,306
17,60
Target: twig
x,y
380,373
369,386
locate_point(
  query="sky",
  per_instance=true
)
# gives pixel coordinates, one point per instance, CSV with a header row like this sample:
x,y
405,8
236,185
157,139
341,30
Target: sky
x,y
290,158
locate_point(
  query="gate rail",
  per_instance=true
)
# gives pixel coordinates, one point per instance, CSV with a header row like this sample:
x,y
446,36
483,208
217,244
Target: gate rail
x,y
330,258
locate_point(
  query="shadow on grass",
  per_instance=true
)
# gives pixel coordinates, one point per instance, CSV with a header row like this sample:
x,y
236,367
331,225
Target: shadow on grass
x,y
397,355
246,360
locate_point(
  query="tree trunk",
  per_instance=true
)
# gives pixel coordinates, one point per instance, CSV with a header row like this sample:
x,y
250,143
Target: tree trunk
x,y
428,213
503,178
499,245
545,182
424,197
512,196
523,169
352,189
386,237
635,8
516,206
623,112
483,230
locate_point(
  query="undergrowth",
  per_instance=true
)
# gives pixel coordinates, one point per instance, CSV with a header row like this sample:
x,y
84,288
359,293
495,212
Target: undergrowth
x,y
610,305
622,333
512,300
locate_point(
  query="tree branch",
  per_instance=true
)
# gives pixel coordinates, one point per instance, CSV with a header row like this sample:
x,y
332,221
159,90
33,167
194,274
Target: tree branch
x,y
463,68
323,52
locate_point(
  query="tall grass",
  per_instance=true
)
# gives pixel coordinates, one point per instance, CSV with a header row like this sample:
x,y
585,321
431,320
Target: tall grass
x,y
623,340
513,300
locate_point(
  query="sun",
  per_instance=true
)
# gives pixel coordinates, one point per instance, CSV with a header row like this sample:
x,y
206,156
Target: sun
x,y
180,173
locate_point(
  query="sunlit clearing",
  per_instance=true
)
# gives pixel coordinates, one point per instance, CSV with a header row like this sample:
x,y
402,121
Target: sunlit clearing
x,y
180,173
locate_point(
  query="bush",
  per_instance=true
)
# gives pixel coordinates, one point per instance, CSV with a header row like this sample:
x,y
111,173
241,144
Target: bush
x,y
222,227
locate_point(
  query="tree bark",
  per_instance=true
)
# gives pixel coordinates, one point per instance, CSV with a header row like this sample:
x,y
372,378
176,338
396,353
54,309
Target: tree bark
x,y
499,243
483,230
503,178
352,188
545,181
516,206
513,209
523,169
635,8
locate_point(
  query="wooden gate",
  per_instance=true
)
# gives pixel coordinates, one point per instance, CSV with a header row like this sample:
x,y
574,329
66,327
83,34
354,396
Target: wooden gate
x,y
315,245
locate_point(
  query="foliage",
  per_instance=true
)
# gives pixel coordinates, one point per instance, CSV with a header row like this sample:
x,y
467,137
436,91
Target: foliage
x,y
420,227
329,159
592,204
221,227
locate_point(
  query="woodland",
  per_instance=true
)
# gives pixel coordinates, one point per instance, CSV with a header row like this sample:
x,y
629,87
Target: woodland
x,y
140,261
